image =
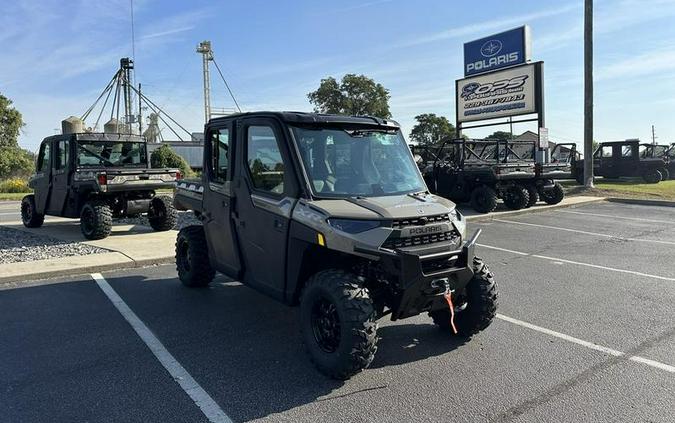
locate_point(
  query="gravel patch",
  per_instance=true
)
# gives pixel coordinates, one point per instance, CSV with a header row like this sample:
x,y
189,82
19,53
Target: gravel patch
x,y
17,246
185,218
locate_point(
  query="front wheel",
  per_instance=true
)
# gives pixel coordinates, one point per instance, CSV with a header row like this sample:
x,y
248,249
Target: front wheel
x,y
192,257
162,214
96,220
480,307
553,195
338,323
29,214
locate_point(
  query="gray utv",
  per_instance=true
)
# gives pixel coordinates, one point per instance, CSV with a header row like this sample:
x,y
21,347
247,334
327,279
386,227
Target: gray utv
x,y
331,213
97,177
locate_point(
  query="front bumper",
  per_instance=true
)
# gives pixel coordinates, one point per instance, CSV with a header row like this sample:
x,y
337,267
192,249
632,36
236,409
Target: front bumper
x,y
423,275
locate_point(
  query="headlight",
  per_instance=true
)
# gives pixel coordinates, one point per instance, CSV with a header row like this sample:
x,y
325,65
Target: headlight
x,y
459,222
352,226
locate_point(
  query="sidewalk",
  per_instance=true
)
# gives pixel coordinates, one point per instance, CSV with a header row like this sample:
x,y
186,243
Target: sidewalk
x,y
128,245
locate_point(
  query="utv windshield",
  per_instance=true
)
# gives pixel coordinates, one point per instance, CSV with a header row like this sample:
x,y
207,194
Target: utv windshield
x,y
357,162
111,153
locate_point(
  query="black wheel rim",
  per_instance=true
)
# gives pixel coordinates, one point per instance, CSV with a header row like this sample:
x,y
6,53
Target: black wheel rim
x,y
183,256
87,220
326,325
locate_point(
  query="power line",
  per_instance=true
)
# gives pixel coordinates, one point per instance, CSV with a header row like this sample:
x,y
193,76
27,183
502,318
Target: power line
x,y
226,84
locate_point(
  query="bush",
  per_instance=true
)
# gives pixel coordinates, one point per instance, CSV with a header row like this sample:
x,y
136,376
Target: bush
x,y
164,156
14,185
16,162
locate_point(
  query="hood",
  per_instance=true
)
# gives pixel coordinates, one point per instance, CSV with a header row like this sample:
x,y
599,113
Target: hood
x,y
387,207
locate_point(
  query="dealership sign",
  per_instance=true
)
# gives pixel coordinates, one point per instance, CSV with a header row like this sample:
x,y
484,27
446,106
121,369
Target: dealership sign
x,y
506,49
508,92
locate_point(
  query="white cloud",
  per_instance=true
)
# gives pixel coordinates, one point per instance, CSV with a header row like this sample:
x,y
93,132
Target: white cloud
x,y
491,25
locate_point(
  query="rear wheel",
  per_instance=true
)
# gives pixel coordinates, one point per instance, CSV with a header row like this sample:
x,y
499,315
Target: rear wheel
x,y
96,219
480,307
533,195
162,215
516,197
484,199
553,195
652,176
29,215
338,323
665,174
192,257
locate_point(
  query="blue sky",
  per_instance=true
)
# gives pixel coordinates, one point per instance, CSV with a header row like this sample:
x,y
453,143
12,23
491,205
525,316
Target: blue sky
x,y
57,55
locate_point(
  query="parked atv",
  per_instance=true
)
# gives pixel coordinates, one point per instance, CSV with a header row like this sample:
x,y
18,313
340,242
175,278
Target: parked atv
x,y
618,159
98,177
665,152
481,172
330,213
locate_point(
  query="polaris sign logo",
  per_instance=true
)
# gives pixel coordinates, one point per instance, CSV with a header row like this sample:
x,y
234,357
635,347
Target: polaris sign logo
x,y
497,51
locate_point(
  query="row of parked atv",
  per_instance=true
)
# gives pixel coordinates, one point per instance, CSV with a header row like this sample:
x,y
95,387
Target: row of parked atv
x,y
480,172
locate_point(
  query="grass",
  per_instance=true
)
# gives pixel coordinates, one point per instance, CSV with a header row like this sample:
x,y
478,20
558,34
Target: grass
x,y
629,188
13,196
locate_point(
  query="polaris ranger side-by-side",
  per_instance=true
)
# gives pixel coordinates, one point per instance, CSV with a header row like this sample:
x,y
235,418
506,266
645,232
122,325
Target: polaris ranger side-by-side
x,y
617,159
480,172
98,177
666,152
330,213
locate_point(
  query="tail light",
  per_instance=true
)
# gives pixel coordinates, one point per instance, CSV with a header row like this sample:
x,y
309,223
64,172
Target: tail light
x,y
102,179
179,175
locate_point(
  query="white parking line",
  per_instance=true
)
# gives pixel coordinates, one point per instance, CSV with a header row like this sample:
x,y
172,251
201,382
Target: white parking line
x,y
16,213
585,232
201,398
578,263
591,345
637,219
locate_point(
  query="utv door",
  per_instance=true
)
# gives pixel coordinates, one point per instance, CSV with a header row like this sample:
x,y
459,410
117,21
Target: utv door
x,y
42,178
627,162
219,201
266,190
60,177
604,165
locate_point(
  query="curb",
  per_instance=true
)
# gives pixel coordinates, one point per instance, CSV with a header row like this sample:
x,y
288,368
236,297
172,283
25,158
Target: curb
x,y
534,209
82,270
641,202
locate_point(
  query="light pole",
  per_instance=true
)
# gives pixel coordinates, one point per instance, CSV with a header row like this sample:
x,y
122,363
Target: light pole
x,y
588,93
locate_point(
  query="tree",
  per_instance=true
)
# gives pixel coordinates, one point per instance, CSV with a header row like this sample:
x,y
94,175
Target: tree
x,y
431,129
164,157
11,122
354,95
15,162
500,135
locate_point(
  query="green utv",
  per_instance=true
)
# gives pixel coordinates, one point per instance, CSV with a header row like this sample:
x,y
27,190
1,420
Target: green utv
x,y
97,177
331,213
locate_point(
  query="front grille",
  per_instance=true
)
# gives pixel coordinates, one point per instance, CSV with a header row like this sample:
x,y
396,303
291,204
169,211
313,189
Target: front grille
x,y
394,243
420,221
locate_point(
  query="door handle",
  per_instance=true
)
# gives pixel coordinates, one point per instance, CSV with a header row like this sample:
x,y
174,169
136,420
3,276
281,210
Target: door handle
x,y
278,224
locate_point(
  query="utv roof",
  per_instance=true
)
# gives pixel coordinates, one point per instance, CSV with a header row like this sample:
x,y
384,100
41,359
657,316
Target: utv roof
x,y
99,136
314,118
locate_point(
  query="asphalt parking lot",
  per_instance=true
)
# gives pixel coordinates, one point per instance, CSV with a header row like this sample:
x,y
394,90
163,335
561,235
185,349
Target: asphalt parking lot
x,y
586,332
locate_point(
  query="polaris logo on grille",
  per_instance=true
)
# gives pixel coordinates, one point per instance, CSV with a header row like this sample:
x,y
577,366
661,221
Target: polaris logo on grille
x,y
424,230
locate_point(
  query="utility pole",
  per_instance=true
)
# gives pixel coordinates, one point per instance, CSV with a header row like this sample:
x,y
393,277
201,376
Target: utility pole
x,y
588,93
207,55
654,137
